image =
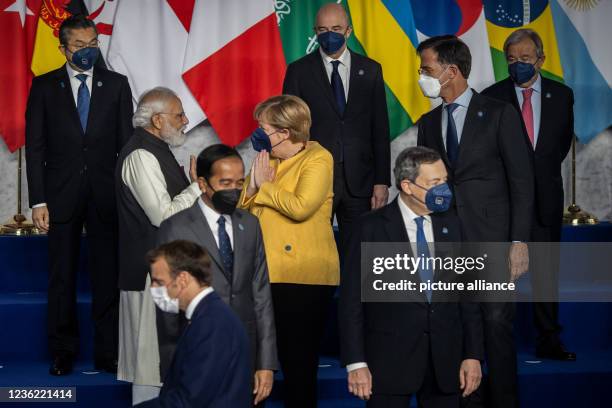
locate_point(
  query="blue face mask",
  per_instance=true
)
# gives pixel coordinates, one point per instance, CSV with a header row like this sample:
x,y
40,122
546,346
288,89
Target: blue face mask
x,y
521,72
438,198
330,41
261,140
85,58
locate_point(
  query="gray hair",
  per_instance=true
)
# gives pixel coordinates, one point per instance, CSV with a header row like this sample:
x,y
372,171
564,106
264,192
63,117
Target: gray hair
x,y
519,35
152,102
409,161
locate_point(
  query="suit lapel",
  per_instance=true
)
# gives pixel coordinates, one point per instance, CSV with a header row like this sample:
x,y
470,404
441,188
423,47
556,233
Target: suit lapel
x,y
202,231
239,241
546,113
356,76
97,95
66,92
475,114
318,70
436,117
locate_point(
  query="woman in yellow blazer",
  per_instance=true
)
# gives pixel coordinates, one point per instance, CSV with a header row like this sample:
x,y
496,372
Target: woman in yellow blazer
x,y
290,190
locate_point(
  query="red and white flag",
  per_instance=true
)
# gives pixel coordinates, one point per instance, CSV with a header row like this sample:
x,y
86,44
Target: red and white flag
x,y
17,29
148,45
233,60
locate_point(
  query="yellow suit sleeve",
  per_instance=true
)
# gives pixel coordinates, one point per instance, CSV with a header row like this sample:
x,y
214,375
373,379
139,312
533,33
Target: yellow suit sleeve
x,y
315,179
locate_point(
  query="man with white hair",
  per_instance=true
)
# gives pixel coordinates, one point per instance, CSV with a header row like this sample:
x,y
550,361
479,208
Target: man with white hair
x,y
151,186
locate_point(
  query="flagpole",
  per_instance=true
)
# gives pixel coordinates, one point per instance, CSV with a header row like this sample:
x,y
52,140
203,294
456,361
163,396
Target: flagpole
x,y
20,227
574,215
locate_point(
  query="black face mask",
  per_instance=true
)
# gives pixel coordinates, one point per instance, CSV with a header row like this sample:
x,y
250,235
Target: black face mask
x,y
225,201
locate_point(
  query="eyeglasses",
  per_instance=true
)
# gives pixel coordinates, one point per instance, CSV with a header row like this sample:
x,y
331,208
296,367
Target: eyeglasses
x,y
80,45
427,71
180,115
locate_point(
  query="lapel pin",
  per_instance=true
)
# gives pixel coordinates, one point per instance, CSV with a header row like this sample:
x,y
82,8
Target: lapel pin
x,y
445,230
62,84
361,72
240,227
548,95
480,114
99,84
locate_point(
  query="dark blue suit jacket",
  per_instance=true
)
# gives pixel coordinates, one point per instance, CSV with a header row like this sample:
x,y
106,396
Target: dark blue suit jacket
x,y
211,366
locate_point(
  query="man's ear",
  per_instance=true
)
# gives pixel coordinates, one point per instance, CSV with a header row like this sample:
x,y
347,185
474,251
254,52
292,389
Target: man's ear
x,y
540,62
405,186
202,184
156,121
349,31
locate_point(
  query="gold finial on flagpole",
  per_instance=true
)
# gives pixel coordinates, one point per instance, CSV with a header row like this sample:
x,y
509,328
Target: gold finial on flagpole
x,y
574,215
20,226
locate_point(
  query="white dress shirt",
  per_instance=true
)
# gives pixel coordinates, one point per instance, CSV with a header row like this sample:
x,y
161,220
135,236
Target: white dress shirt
x,y
212,217
74,85
536,105
344,69
142,174
196,301
411,228
459,114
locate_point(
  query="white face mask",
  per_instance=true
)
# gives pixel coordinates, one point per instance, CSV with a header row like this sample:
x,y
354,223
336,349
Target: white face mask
x,y
163,300
431,86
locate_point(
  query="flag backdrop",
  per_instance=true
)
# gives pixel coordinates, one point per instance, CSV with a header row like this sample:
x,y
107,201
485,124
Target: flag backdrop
x,y
224,56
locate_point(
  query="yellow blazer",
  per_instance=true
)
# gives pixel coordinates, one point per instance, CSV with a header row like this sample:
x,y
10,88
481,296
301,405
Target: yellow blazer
x,y
295,212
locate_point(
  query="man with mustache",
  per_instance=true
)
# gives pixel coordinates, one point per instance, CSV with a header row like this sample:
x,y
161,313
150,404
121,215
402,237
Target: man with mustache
x,y
151,186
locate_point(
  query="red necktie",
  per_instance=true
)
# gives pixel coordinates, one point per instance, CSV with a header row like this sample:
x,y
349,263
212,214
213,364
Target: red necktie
x,y
527,112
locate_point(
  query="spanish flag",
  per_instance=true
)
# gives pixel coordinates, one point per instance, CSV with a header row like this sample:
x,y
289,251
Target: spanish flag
x,y
46,56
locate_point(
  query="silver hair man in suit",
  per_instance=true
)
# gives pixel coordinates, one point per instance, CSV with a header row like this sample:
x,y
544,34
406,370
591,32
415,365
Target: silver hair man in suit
x,y
234,241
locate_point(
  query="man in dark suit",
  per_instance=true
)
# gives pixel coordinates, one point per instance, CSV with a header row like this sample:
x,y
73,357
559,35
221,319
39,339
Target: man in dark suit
x,y
546,107
423,347
78,117
491,172
233,239
345,92
211,365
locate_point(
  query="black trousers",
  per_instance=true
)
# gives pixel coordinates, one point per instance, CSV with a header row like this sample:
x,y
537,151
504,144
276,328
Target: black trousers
x,y
428,396
300,313
346,207
64,249
544,276
499,389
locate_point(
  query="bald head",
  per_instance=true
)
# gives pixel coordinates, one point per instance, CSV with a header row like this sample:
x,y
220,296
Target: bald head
x,y
331,14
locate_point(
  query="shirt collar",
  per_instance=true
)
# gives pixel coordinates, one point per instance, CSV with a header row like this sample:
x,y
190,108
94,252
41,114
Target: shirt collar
x,y
463,99
407,213
73,72
211,214
196,300
344,58
537,85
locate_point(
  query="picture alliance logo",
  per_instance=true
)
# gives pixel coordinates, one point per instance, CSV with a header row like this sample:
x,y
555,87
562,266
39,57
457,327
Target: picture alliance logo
x,y
410,264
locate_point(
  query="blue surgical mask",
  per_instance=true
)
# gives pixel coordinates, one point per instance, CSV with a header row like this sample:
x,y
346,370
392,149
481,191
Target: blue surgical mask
x,y
521,72
261,140
85,58
438,198
330,41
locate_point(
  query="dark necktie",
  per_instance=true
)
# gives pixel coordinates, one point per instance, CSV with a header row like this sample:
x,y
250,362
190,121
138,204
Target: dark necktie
x,y
83,101
425,273
225,247
338,88
452,140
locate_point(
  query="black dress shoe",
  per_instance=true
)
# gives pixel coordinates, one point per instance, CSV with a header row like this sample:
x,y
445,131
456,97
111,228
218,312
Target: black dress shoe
x,y
61,365
106,364
556,352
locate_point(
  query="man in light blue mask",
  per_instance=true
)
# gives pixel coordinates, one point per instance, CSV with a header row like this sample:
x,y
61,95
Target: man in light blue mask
x,y
345,92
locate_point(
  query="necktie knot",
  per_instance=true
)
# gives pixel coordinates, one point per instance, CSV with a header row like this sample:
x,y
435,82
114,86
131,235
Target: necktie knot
x,y
221,221
451,107
335,65
419,222
527,93
82,77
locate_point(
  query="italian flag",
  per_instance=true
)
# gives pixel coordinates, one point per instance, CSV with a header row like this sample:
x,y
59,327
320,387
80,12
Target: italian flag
x,y
233,60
